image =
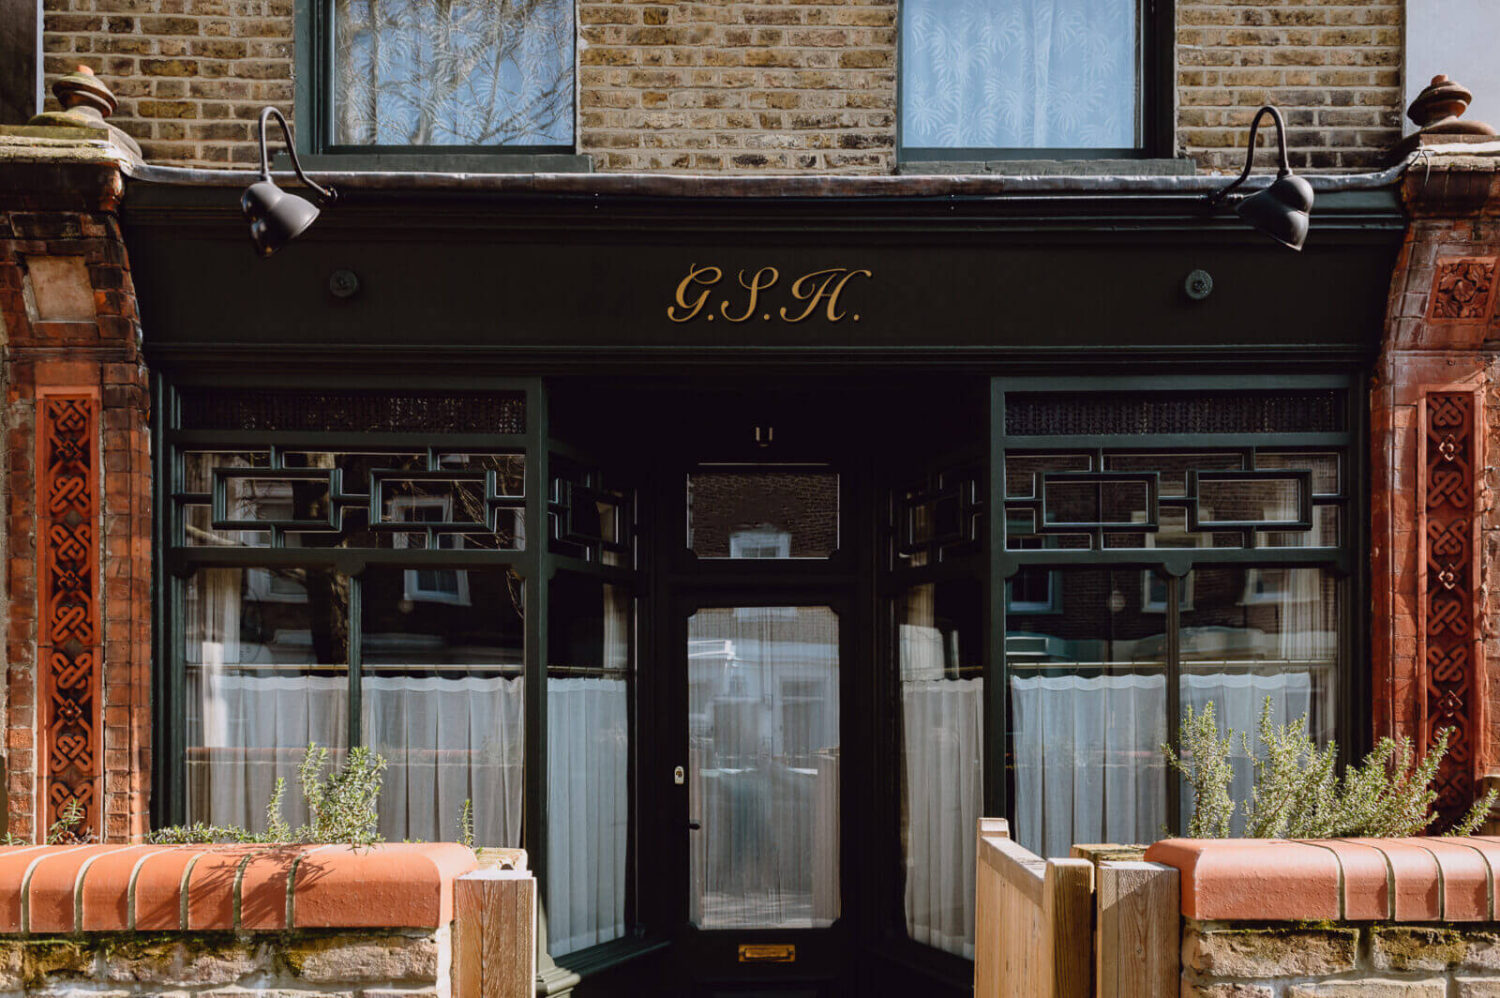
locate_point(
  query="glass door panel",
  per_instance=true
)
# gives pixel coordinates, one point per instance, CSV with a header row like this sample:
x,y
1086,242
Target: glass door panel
x,y
763,767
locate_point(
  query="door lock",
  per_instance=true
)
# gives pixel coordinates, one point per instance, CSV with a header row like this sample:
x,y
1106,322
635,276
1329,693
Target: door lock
x,y
679,776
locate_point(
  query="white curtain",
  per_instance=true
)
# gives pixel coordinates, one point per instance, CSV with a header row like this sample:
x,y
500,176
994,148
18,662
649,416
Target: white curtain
x,y
1088,761
1238,699
246,723
447,739
588,748
993,74
763,772
942,742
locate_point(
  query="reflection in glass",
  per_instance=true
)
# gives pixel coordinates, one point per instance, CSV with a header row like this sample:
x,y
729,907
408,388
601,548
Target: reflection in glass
x,y
1088,714
763,767
942,730
441,699
266,652
1258,633
1172,468
763,514
1023,471
465,73
588,758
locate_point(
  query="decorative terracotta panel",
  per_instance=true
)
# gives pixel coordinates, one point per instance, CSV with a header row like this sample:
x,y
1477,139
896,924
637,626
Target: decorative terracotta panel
x,y
68,590
1447,635
1461,289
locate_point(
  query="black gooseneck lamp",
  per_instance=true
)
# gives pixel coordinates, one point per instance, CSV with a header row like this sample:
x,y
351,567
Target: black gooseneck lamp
x,y
1281,210
276,217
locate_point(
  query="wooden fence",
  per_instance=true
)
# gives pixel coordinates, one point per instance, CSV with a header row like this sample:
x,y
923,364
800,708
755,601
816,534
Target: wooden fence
x,y
1071,928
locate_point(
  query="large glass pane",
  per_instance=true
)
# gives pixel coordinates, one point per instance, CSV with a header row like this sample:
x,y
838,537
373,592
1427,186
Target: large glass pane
x,y
763,514
453,72
441,698
763,767
1257,634
591,652
1033,74
1088,713
266,652
939,635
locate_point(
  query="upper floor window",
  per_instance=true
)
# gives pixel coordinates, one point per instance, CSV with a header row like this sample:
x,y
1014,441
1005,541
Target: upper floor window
x,y
443,73
1043,76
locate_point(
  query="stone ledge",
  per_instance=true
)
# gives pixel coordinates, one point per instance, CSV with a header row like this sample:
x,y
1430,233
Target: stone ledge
x,y
120,888
1409,880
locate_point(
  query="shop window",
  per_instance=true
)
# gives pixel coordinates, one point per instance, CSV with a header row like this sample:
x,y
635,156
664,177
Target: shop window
x,y
1196,550
1039,77
403,75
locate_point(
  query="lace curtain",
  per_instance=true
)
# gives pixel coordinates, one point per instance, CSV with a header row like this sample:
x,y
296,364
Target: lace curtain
x,y
453,72
942,740
254,704
1019,74
588,799
763,767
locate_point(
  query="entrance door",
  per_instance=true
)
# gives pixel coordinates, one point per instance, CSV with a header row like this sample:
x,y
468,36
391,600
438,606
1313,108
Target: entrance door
x,y
762,685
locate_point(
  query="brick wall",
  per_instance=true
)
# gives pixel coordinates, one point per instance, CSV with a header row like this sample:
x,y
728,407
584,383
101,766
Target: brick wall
x,y
782,85
1229,960
777,85
191,75
1432,469
1333,67
78,520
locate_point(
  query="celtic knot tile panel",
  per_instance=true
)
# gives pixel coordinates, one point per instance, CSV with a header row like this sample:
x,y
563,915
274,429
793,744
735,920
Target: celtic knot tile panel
x,y
1447,634
1462,288
69,647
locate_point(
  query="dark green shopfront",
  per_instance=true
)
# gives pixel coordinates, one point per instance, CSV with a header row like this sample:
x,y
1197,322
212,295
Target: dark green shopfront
x,y
733,548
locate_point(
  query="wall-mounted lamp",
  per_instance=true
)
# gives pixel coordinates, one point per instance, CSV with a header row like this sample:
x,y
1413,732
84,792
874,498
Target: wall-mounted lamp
x,y
1281,210
275,216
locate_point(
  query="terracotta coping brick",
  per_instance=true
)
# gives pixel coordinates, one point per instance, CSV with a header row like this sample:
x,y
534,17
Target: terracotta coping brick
x,y
1409,880
112,888
408,886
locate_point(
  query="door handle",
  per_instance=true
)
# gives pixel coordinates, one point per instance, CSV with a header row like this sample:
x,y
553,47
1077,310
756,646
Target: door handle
x,y
693,825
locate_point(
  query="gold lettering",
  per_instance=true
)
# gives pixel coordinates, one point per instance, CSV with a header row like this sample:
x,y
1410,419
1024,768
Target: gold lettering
x,y
822,287
696,275
764,278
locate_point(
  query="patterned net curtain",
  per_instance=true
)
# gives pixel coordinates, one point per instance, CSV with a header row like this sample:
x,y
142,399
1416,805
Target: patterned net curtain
x,y
1019,74
453,72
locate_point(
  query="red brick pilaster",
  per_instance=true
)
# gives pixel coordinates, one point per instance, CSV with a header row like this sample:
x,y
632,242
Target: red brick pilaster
x,y
78,523
1432,425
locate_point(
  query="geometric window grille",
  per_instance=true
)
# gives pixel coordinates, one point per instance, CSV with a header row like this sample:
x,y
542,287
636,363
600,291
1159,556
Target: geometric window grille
x,y
589,520
940,518
261,498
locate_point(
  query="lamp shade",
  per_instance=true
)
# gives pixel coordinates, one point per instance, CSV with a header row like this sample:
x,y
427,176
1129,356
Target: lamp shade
x,y
1281,210
275,216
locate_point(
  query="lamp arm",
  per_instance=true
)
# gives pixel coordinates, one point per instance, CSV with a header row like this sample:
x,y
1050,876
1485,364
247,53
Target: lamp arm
x,y
1217,196
266,113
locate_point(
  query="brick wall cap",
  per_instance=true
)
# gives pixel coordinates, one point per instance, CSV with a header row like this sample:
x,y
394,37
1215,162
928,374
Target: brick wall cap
x,y
1409,879
229,887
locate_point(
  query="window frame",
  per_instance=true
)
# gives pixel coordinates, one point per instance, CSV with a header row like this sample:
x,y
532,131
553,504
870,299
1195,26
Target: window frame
x,y
314,58
1158,103
1345,561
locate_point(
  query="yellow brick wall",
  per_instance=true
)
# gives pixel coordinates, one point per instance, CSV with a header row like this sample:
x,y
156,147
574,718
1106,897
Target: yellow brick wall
x,y
775,85
766,86
1332,68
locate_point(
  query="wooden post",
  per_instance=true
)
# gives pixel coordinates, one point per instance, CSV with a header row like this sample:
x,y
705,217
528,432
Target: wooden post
x,y
1068,921
1139,932
494,934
